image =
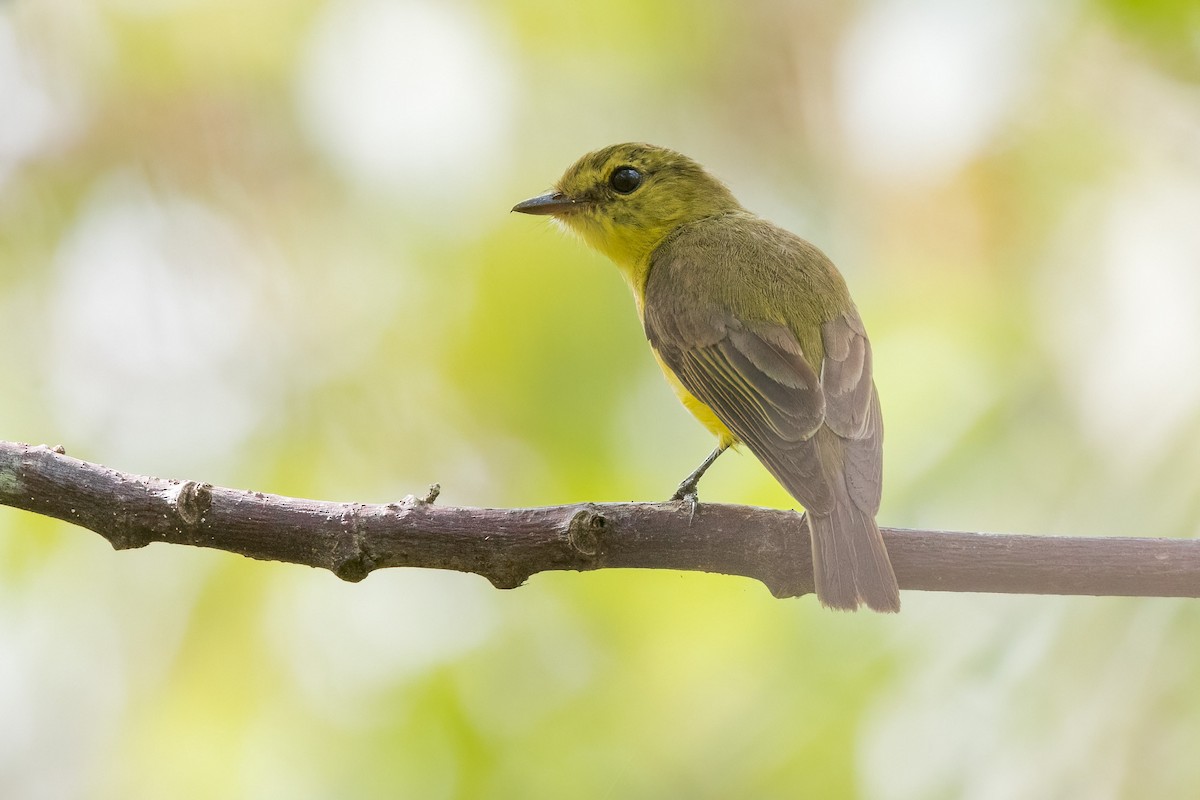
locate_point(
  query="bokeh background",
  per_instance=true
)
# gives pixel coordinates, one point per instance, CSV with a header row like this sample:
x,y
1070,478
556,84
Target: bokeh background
x,y
267,245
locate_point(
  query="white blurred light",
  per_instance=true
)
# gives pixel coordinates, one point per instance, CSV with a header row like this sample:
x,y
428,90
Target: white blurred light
x,y
409,96
1011,701
151,8
344,645
924,85
30,118
157,343
63,680
83,636
1124,314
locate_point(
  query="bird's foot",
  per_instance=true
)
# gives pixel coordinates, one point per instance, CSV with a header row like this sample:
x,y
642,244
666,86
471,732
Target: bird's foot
x,y
686,493
687,490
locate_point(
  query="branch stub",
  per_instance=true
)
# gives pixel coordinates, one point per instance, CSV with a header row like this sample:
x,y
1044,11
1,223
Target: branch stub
x,y
584,531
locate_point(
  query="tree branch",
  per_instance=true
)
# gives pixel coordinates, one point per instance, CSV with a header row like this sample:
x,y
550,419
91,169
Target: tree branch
x,y
508,545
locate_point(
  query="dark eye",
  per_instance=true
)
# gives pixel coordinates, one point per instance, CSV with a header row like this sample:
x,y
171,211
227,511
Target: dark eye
x,y
625,179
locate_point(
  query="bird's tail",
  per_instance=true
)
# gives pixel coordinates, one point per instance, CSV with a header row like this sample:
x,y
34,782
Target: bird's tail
x,y
850,563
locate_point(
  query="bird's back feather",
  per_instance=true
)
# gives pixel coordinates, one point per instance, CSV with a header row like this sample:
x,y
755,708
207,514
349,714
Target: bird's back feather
x,y
756,324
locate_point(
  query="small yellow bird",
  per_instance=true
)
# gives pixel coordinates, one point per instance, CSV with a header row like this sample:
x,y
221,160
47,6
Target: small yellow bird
x,y
756,332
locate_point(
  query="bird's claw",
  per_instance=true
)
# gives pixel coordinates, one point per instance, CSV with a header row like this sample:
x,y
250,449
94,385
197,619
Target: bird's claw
x,y
686,493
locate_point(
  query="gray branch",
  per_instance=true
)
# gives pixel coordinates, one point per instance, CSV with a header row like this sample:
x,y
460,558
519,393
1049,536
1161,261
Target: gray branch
x,y
506,546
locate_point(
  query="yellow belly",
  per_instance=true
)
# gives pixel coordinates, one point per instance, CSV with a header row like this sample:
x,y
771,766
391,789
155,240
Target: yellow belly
x,y
699,410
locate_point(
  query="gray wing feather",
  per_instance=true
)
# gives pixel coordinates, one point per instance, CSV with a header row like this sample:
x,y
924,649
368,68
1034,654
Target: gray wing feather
x,y
846,376
758,382
852,407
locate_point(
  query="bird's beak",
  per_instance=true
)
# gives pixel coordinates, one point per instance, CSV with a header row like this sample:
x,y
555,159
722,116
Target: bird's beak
x,y
549,203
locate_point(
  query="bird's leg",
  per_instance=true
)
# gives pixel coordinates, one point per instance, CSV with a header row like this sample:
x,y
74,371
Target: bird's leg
x,y
687,489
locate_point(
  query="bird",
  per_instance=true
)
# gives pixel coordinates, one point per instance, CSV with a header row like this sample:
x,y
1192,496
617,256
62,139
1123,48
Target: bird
x,y
756,332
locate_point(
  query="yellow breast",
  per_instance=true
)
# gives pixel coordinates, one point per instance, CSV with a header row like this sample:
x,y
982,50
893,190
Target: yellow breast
x,y
693,404
635,275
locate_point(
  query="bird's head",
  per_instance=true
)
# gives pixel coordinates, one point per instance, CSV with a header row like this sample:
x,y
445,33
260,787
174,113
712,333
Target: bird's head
x,y
625,199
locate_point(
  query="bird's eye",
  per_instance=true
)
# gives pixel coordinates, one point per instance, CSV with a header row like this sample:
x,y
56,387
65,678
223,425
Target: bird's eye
x,y
625,179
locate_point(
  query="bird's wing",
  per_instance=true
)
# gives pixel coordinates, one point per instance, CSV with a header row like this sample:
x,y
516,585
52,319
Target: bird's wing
x,y
852,406
756,379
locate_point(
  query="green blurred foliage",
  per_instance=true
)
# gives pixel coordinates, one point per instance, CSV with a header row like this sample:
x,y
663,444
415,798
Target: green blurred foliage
x,y
267,245
1166,31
